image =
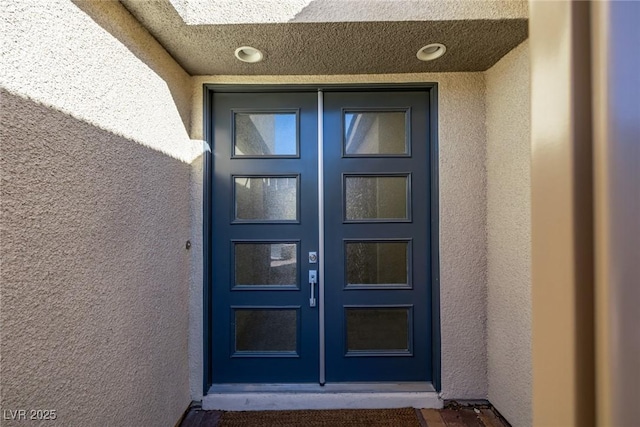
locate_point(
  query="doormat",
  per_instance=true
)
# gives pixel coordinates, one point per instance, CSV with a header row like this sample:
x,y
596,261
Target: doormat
x,y
403,417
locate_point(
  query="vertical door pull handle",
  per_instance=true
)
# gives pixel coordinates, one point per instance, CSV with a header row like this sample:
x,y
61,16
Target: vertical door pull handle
x,y
313,279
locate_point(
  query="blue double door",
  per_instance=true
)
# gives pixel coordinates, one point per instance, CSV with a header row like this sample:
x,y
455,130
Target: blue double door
x,y
320,248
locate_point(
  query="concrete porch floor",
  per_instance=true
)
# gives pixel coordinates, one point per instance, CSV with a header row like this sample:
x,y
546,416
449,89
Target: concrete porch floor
x,y
453,415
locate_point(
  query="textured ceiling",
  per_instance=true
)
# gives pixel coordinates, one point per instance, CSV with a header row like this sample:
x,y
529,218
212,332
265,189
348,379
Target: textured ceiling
x,y
374,47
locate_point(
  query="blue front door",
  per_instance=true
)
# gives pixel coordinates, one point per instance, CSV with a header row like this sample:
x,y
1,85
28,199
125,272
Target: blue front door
x,y
377,241
268,270
265,223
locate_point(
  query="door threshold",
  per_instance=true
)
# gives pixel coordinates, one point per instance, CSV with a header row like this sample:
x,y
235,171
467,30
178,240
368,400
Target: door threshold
x,y
260,397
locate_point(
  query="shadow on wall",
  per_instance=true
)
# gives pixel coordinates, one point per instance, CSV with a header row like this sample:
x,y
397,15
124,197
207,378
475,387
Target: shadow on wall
x,y
94,271
117,21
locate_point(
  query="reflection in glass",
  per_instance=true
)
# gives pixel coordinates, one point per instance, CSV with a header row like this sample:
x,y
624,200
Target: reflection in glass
x,y
266,330
264,264
376,197
265,134
266,198
376,132
377,263
376,329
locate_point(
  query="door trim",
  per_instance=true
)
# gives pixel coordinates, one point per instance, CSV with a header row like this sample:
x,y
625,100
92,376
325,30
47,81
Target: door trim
x,y
432,92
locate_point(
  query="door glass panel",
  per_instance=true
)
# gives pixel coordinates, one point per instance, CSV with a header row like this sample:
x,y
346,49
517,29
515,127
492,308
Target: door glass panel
x,y
266,330
375,132
377,263
266,264
260,199
376,198
265,134
377,329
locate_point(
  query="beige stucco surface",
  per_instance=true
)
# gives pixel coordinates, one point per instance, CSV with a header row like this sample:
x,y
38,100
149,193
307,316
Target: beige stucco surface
x,y
95,215
509,236
102,186
205,12
334,48
461,112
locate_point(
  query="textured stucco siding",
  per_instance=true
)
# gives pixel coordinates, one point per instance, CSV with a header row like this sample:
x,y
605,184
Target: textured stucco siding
x,y
509,236
260,11
462,148
95,216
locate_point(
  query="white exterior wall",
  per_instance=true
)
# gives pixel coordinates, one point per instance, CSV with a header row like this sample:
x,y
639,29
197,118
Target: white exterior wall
x,y
509,236
95,215
463,300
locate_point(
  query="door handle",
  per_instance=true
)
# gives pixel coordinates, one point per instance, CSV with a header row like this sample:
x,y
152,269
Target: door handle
x,y
313,280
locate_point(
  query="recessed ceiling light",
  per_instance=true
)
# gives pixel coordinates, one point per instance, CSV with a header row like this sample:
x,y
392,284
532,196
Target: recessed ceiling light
x,y
248,54
431,51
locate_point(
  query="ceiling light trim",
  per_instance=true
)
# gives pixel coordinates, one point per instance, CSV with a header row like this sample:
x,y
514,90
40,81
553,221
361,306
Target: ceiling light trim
x,y
431,51
249,54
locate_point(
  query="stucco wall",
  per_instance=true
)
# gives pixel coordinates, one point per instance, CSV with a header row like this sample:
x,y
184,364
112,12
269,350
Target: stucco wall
x,y
95,215
461,112
509,236
254,11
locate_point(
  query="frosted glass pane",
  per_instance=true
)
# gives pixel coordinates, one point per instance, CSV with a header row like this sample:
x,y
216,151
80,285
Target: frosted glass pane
x,y
378,132
376,197
377,263
377,329
266,330
265,134
266,198
264,264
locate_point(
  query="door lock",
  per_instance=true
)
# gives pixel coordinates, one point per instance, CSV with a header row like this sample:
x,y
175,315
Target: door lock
x,y
313,280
